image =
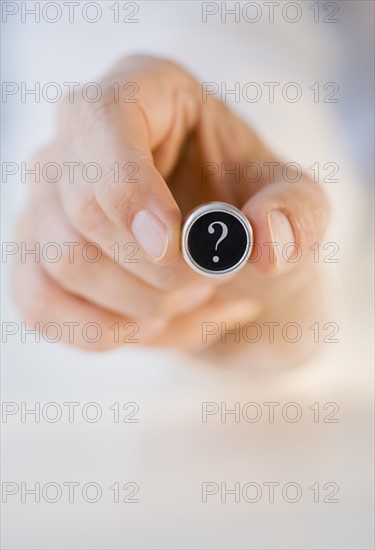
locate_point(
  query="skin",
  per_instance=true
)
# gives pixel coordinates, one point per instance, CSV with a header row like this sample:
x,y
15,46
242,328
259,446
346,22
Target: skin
x,y
169,133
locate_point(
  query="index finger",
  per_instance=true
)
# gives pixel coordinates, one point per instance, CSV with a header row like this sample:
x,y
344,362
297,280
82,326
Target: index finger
x,y
114,134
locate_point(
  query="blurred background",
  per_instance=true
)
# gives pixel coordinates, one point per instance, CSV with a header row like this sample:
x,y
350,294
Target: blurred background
x,y
168,455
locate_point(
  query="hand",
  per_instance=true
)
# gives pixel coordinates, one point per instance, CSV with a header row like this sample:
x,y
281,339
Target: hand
x,y
160,145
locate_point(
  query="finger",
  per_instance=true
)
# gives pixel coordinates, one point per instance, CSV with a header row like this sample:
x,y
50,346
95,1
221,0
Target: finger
x,y
117,133
235,160
84,213
214,322
42,303
94,277
287,219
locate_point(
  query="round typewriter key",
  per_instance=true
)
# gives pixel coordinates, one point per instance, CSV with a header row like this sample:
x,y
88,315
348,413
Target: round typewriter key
x,y
216,239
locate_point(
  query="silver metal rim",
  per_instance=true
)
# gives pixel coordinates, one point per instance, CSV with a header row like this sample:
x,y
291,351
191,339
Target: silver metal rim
x,y
201,211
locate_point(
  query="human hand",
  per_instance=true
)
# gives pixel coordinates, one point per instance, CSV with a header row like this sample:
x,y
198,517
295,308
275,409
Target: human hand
x,y
163,140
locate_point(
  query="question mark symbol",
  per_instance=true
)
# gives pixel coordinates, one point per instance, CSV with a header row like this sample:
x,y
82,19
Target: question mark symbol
x,y
224,233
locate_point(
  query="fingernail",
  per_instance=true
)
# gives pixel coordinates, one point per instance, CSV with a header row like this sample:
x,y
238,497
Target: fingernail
x,y
150,234
282,233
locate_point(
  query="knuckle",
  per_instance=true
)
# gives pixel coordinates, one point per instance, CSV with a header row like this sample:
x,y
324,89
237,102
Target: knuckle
x,y
84,117
65,271
84,211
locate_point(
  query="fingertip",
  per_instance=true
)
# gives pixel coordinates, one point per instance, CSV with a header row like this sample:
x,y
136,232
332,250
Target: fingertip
x,y
160,240
274,246
287,219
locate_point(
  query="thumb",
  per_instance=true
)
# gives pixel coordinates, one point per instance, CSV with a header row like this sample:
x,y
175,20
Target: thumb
x,y
287,219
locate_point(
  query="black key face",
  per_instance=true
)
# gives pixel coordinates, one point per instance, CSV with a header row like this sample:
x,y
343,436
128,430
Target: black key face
x,y
217,242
